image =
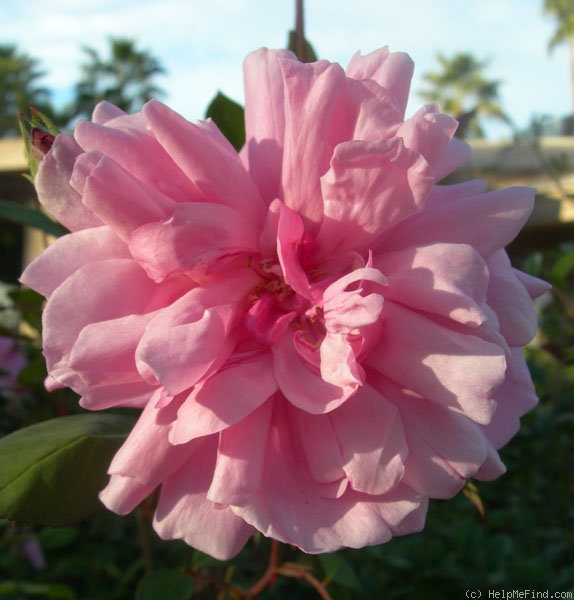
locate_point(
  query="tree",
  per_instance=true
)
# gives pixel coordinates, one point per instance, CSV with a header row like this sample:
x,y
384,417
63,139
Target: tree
x,y
461,89
19,75
563,12
124,79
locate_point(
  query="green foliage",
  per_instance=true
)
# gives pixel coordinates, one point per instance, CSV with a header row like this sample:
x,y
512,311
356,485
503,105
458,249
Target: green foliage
x,y
52,471
19,75
125,78
301,47
460,89
29,305
563,12
228,116
31,217
29,589
338,570
167,584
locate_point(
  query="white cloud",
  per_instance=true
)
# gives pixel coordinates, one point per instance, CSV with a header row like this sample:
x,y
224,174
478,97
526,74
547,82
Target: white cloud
x,y
202,44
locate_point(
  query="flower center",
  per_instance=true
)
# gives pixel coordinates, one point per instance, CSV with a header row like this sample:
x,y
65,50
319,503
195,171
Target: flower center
x,y
273,305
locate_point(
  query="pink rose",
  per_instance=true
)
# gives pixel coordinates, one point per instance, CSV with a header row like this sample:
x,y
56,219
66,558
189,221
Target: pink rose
x,y
320,336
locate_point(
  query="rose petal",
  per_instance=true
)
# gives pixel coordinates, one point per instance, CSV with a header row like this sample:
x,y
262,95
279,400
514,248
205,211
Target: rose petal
x,y
370,187
67,254
183,511
223,400
54,190
265,119
393,71
195,235
453,369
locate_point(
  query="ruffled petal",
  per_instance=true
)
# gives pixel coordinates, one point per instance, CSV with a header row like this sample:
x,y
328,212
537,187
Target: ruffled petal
x,y
264,119
455,370
444,448
370,187
144,460
184,512
178,352
54,190
515,397
240,458
126,140
289,507
429,133
195,334
487,222
456,154
314,93
393,71
212,166
511,301
67,254
346,314
301,382
445,279
103,354
290,232
372,441
77,303
320,446
105,111
195,236
227,397
119,199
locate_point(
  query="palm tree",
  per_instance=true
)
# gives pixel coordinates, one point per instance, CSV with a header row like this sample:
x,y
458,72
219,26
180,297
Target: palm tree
x,y
124,79
18,88
461,89
563,12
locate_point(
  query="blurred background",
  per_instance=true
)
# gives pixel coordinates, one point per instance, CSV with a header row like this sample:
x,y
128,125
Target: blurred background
x,y
505,69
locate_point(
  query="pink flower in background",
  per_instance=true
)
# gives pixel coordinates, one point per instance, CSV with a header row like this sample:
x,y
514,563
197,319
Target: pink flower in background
x,y
321,336
12,361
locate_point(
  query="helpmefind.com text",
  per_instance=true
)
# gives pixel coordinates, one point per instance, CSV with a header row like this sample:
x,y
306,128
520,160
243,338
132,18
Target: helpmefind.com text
x,y
512,594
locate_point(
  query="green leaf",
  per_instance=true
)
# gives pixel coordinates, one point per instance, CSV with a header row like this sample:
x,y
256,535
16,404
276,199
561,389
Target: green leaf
x,y
304,52
337,569
51,472
204,561
32,217
228,116
29,304
52,538
167,584
26,589
562,267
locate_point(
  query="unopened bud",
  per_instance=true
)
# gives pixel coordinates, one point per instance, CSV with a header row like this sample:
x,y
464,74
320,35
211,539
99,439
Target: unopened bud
x,y
42,140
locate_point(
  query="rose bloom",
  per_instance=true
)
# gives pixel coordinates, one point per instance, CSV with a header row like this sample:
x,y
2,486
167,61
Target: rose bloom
x,y
321,337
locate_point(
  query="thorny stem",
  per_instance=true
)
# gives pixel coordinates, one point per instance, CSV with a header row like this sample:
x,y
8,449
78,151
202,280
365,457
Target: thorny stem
x,y
269,573
273,569
287,570
294,570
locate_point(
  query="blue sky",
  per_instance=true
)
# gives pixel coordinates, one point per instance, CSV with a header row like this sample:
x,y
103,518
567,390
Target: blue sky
x,y
202,43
